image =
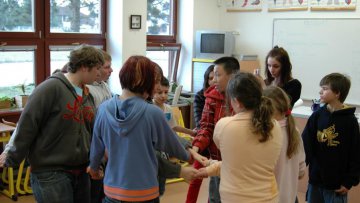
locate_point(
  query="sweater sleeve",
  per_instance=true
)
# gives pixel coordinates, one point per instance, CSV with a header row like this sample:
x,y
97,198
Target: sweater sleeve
x,y
309,138
167,169
97,148
219,130
214,169
204,135
165,138
302,165
34,116
351,178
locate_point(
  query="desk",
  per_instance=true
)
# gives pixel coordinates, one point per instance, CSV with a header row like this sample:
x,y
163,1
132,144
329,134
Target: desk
x,y
5,131
187,114
305,112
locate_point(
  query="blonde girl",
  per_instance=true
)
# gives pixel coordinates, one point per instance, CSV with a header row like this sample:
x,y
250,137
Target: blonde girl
x,y
291,164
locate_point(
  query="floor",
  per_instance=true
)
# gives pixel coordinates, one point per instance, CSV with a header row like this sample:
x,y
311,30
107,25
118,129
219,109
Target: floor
x,y
175,193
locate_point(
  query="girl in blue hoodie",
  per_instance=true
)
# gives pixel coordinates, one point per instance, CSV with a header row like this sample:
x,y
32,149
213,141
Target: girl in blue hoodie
x,y
130,129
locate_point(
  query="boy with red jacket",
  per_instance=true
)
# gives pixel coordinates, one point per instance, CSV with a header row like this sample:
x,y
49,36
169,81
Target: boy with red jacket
x,y
215,108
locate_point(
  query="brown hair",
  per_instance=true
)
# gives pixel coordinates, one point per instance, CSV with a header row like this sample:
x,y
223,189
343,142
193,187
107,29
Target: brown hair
x,y
281,103
207,75
138,75
246,88
85,55
281,55
106,55
338,83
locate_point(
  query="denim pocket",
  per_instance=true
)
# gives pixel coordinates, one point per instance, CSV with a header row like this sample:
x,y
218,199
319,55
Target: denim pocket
x,y
45,176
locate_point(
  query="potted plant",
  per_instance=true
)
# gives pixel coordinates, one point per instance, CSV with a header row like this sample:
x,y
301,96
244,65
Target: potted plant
x,y
5,102
21,99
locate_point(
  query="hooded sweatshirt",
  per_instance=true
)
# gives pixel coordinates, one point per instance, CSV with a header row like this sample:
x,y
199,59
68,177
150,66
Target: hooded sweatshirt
x,y
131,130
214,109
332,148
55,127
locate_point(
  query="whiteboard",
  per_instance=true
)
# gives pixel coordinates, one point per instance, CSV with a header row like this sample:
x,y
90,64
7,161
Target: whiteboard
x,y
318,47
199,69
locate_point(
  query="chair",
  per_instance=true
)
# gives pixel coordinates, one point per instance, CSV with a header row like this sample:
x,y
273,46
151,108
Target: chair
x,y
179,120
8,172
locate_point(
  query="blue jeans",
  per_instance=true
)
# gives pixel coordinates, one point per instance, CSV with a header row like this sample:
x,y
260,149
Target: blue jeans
x,y
214,186
60,187
97,191
110,200
317,194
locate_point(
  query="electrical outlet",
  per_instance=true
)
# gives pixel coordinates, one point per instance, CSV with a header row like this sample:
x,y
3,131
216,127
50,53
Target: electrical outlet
x,y
235,32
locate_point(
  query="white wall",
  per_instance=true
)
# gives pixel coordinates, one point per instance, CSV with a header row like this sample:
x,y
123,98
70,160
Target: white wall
x,y
123,42
255,29
193,15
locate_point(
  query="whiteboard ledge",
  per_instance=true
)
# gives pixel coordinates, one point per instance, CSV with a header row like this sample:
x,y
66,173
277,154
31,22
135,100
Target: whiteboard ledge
x,y
288,9
244,10
352,8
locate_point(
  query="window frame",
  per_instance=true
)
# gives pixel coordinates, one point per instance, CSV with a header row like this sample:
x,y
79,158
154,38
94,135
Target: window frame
x,y
167,38
102,34
174,57
43,39
168,43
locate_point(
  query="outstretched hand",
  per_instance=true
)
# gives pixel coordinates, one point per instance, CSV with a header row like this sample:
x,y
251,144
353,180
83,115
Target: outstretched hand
x,y
342,190
188,173
95,174
202,173
201,159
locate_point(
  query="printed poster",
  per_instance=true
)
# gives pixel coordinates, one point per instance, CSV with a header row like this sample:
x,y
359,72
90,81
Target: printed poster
x,y
243,5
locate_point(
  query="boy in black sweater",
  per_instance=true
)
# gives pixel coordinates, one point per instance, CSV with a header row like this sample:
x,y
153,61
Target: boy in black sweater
x,y
332,144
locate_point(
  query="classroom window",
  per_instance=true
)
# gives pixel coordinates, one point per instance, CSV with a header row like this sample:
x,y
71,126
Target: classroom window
x,y
161,58
17,16
161,36
58,59
59,56
166,56
75,16
161,20
47,25
21,60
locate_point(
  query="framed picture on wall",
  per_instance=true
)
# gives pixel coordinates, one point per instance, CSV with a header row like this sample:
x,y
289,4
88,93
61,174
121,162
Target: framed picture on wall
x,y
135,22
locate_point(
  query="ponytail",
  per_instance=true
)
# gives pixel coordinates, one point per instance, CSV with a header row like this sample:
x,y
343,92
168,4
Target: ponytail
x,y
262,119
246,88
294,137
281,103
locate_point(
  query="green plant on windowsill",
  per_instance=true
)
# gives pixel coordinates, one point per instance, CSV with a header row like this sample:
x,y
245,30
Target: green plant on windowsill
x,y
21,100
26,88
5,102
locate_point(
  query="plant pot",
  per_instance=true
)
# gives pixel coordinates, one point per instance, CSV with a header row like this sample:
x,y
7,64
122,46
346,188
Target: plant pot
x,y
21,100
5,104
